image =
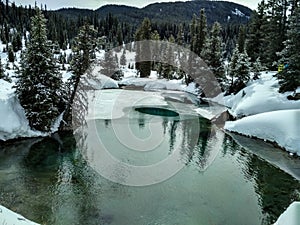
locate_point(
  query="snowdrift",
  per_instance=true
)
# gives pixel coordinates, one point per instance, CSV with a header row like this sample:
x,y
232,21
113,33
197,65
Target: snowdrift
x,y
268,114
13,120
280,126
259,96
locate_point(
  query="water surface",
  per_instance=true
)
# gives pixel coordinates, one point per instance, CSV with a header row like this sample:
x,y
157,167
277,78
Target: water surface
x,y
52,181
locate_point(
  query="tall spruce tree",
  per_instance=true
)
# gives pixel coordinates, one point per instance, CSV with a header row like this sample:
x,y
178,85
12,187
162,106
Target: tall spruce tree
x,y
123,60
256,36
167,70
1,70
275,31
289,78
239,70
201,33
242,39
39,82
83,55
109,64
11,54
212,52
143,33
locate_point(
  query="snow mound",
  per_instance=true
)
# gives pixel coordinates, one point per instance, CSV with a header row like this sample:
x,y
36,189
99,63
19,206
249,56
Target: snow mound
x,y
14,123
8,217
291,216
101,82
259,96
280,126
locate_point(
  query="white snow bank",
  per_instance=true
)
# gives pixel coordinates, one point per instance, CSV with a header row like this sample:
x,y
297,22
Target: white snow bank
x,y
281,127
153,83
8,217
14,123
291,215
259,96
102,82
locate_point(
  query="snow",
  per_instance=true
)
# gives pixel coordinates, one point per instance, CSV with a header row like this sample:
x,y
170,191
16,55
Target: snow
x,y
112,104
211,112
259,96
8,217
163,84
134,81
15,124
153,83
291,216
101,82
268,114
238,13
276,126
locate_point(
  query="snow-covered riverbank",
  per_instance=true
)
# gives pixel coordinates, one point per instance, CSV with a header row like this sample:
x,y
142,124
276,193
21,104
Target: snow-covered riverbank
x,y
267,114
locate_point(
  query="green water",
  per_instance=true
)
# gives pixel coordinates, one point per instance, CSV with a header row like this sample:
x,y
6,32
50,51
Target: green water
x,y
51,181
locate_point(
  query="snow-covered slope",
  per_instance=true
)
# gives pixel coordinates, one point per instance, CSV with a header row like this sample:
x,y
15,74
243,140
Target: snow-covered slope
x,y
8,217
280,126
268,114
13,120
259,96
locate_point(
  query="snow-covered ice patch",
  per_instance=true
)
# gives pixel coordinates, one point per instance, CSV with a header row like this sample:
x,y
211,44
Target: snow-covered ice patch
x,y
280,126
111,104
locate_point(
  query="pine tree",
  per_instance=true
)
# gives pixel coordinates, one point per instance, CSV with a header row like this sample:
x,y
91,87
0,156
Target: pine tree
x,y
289,78
109,65
242,39
123,60
180,35
2,71
143,33
39,81
256,35
83,55
243,68
17,42
193,31
257,68
233,65
201,33
166,69
212,52
83,50
11,54
239,71
275,30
